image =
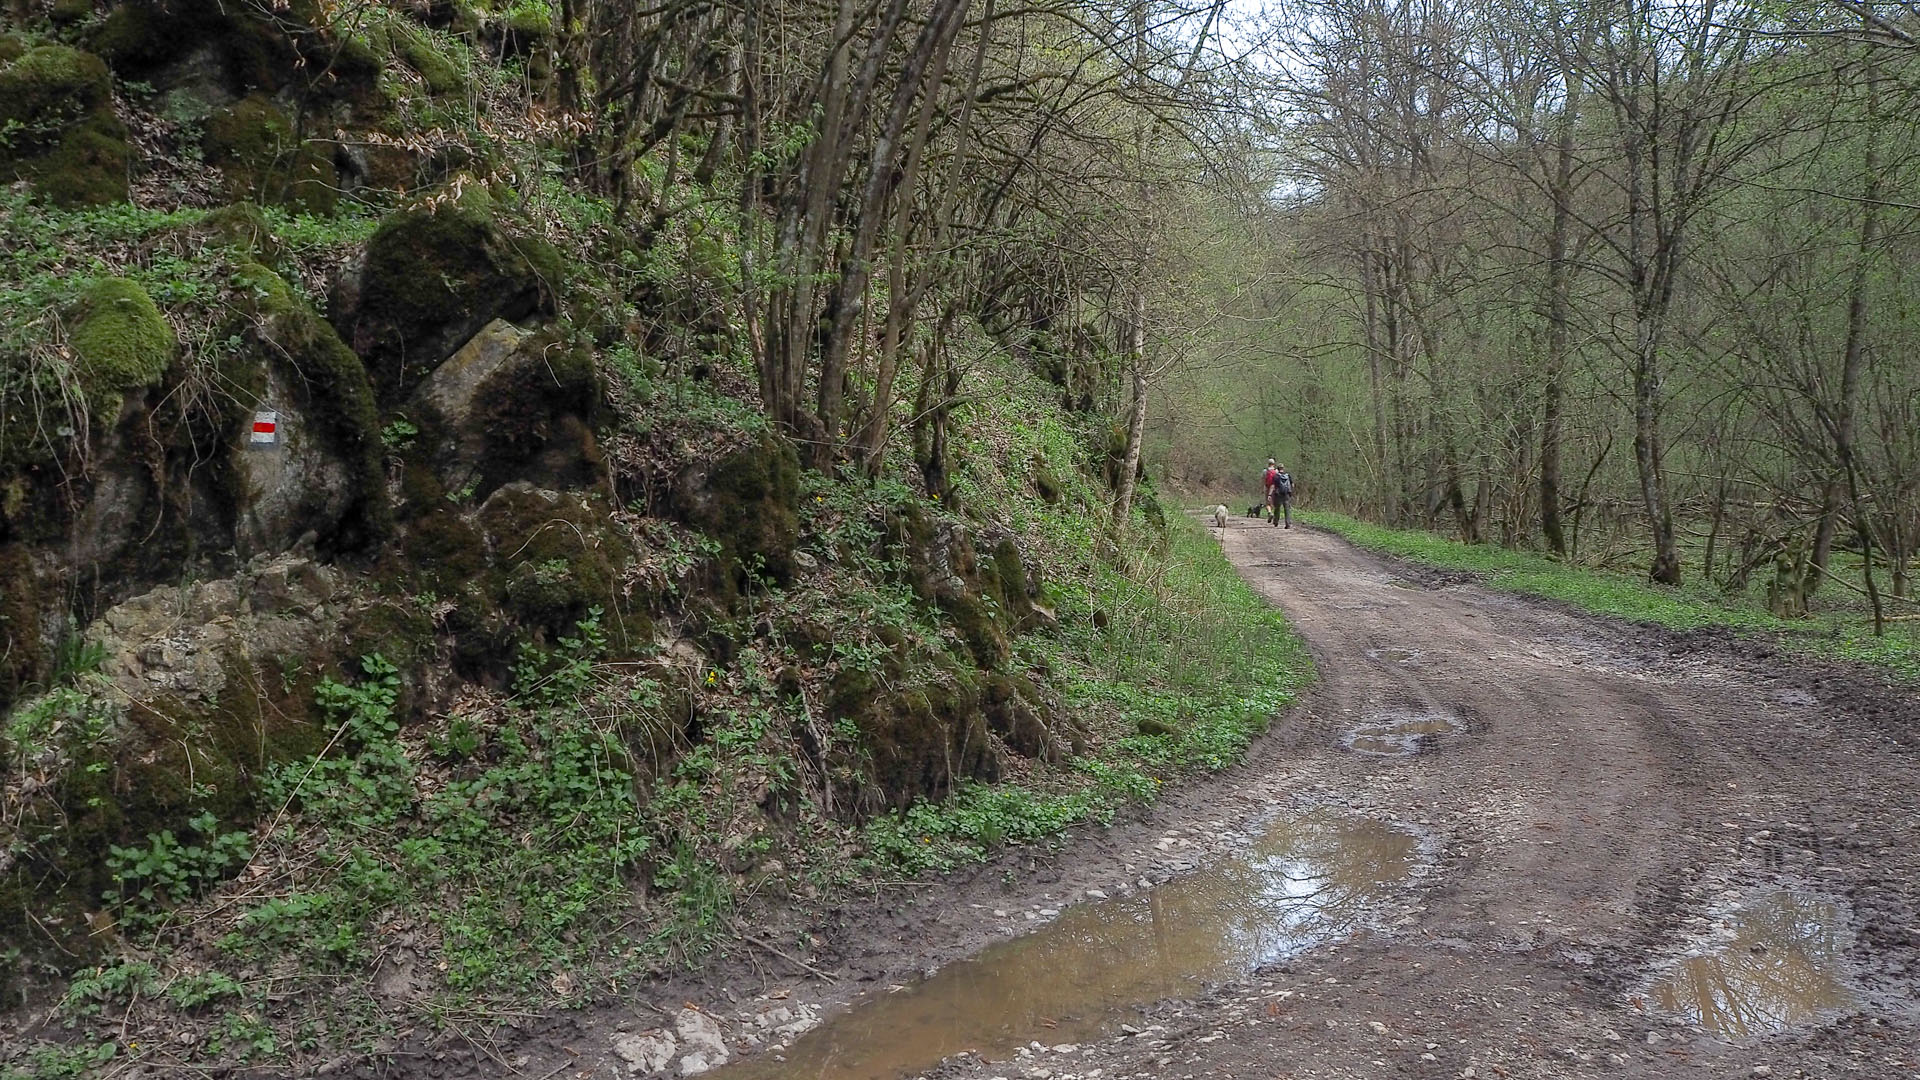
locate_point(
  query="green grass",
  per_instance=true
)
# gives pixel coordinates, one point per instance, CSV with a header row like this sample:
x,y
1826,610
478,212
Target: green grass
x,y
1189,667
1626,596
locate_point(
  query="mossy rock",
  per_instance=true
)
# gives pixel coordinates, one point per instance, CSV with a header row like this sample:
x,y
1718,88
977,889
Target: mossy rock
x,y
89,167
256,47
444,551
528,26
435,275
1004,577
1013,705
69,12
977,620
397,629
749,502
334,393
261,156
25,659
421,52
511,404
1045,483
133,35
525,568
555,556
922,735
12,47
58,104
48,88
527,33
123,342
242,227
166,761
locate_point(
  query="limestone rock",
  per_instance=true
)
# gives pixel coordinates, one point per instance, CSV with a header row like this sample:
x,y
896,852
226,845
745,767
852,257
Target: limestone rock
x,y
510,404
701,1036
432,278
647,1053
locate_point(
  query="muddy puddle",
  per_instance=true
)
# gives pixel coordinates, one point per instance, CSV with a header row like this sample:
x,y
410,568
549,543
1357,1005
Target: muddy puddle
x,y
1399,734
1774,964
1306,881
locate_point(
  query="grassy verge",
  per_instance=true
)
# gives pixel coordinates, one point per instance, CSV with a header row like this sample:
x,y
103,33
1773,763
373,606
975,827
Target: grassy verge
x,y
1182,667
1627,596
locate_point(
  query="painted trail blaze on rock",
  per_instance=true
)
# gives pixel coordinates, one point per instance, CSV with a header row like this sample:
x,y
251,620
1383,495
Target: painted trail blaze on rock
x,y
266,429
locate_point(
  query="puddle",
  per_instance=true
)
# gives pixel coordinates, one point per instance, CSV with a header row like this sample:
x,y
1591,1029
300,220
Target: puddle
x,y
1779,964
1307,881
1399,734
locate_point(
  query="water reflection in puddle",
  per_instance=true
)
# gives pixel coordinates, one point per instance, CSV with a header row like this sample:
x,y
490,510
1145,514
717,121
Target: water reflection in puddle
x,y
1305,882
1782,966
1398,735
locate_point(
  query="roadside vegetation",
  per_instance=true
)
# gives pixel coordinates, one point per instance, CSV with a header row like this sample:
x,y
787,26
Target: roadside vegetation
x,y
1837,634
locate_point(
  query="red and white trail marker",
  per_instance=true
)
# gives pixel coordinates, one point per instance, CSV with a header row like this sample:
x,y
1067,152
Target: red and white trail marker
x,y
266,429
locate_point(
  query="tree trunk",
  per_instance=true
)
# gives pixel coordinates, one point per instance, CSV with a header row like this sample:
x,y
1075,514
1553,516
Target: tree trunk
x,y
1371,326
1647,457
1842,422
1559,300
1137,418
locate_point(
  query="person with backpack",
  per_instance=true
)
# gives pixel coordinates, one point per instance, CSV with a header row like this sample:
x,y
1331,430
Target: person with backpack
x,y
1279,487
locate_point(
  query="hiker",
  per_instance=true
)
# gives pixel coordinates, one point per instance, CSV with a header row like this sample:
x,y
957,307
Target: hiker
x,y
1279,487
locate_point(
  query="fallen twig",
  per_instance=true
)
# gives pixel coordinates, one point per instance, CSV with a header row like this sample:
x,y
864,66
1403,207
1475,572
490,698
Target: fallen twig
x,y
809,968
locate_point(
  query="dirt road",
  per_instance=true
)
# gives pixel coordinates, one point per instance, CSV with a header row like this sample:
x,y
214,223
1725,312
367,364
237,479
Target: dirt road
x,y
1593,803
1612,793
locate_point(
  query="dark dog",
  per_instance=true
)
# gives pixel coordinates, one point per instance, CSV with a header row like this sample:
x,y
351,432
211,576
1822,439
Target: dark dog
x,y
1255,510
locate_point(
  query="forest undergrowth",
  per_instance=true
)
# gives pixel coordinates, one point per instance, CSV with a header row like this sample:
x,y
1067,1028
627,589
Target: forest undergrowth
x,y
517,854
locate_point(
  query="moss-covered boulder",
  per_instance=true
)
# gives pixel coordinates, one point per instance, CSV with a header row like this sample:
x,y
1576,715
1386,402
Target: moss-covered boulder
x,y
65,13
749,502
922,735
243,228
200,690
527,33
324,474
1028,720
30,613
122,341
271,48
554,556
424,53
44,89
262,158
524,567
510,404
433,276
56,103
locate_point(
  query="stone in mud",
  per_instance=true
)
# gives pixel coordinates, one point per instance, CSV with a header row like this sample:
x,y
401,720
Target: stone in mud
x,y
700,1035
647,1053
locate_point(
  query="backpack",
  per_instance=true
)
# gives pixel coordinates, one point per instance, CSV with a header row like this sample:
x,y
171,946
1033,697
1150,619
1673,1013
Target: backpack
x,y
1272,478
1284,485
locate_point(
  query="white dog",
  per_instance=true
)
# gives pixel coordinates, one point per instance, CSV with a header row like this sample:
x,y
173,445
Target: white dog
x,y
1220,517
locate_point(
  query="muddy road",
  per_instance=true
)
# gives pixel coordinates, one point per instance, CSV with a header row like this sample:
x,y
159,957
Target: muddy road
x,y
1556,846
